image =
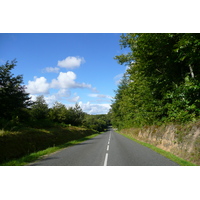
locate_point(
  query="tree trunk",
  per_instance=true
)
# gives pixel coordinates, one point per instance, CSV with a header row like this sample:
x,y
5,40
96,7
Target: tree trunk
x,y
191,71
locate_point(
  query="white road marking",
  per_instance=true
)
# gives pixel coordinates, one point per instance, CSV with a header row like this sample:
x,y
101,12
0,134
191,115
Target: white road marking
x,y
109,138
107,147
106,159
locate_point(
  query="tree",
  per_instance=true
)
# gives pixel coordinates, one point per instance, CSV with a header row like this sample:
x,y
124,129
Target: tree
x,y
59,113
39,109
13,97
96,122
164,79
76,115
120,104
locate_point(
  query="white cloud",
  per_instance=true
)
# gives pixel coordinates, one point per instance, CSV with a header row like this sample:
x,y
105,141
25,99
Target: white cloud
x,y
63,93
51,99
74,99
51,69
38,86
71,62
67,80
33,97
63,82
95,108
100,96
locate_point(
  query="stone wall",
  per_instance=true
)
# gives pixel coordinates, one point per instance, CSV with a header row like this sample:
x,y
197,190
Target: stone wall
x,y
182,141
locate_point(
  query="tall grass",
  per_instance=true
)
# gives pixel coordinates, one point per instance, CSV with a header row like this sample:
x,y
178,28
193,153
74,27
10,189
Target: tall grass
x,y
27,159
28,140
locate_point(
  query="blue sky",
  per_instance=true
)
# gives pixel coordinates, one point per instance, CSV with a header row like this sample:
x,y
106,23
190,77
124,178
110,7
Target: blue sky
x,y
67,67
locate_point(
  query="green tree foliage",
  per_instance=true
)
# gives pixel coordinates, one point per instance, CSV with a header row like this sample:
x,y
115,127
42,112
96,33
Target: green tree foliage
x,y
121,105
163,79
73,115
13,98
76,115
59,113
39,109
96,122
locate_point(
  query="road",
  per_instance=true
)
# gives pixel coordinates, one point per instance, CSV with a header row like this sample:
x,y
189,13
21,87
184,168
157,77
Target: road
x,y
106,149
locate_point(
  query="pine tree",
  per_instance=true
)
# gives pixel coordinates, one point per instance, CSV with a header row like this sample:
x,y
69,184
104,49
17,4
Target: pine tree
x,y
13,97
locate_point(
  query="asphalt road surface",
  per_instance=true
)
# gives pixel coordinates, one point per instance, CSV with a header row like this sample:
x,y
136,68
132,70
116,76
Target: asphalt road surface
x,y
106,149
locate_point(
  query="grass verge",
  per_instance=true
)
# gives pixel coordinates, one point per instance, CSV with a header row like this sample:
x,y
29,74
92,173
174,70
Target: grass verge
x,y
169,155
25,160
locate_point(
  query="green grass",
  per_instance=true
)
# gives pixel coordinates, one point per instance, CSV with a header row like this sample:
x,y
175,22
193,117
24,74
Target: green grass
x,y
25,160
169,155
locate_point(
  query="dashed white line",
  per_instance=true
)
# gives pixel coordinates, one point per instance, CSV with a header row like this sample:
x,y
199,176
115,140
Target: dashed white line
x,y
106,159
107,147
